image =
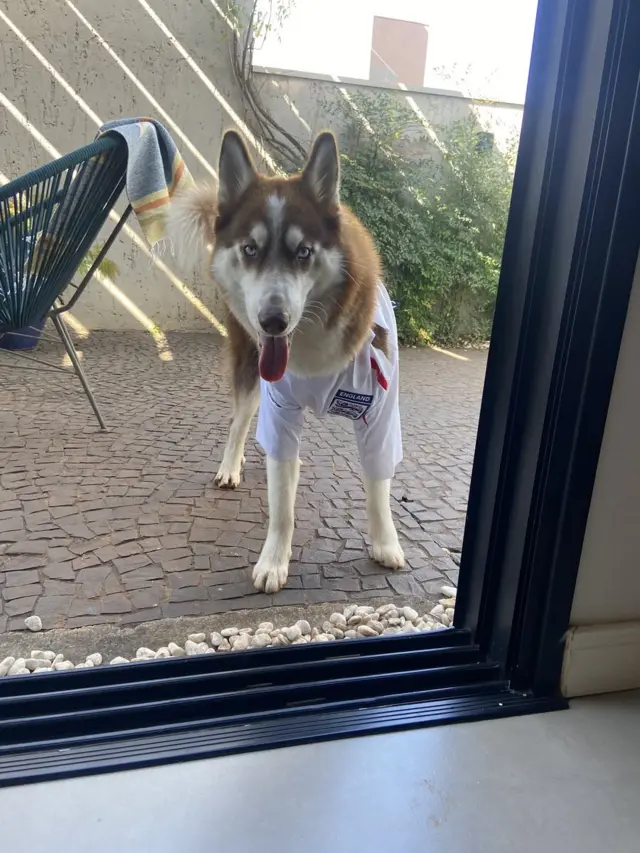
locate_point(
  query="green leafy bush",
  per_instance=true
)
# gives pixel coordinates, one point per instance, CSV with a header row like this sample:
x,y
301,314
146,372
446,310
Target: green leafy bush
x,y
107,267
437,212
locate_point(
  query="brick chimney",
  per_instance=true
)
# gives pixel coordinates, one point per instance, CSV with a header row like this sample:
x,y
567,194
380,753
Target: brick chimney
x,y
398,52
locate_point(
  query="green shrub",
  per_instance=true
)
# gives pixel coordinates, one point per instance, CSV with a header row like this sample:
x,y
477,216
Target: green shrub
x,y
438,218
106,267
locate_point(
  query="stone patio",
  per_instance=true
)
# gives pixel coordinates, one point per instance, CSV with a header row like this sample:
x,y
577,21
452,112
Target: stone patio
x,y
125,527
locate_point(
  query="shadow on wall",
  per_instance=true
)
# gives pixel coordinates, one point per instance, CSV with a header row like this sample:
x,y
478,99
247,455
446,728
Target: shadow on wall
x,y
112,77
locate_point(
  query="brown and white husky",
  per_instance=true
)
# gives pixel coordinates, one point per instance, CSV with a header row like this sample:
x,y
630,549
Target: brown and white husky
x,y
309,326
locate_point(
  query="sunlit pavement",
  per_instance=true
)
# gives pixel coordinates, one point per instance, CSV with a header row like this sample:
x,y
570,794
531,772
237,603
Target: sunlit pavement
x,y
125,526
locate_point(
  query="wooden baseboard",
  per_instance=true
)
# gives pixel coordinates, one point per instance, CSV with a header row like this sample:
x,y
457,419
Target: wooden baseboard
x,y
601,659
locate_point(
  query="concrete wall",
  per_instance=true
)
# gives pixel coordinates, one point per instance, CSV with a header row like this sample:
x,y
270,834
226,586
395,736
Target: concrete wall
x,y
100,85
603,652
302,104
61,76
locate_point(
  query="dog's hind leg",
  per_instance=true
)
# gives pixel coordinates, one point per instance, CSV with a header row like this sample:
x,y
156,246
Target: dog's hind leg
x,y
272,569
246,398
385,546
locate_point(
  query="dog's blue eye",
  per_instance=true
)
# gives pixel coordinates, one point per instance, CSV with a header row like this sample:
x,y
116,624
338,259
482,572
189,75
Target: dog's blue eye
x,y
250,251
304,253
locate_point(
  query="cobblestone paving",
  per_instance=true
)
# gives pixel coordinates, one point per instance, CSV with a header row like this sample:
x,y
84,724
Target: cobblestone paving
x,y
125,526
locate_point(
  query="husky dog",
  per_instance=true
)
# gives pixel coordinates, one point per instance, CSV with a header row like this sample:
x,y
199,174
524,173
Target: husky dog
x,y
310,326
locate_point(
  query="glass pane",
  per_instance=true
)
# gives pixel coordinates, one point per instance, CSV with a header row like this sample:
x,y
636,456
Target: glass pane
x,y
120,545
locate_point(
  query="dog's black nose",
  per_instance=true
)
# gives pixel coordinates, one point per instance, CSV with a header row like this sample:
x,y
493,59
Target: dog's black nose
x,y
273,322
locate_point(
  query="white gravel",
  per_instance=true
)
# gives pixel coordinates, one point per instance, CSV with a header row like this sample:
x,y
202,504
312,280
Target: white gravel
x,y
16,667
353,622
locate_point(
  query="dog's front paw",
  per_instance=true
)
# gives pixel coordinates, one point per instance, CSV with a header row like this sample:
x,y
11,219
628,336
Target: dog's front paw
x,y
388,553
270,573
228,476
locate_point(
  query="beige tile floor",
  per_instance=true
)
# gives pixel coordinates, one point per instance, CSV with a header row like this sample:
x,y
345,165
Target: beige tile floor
x,y
567,782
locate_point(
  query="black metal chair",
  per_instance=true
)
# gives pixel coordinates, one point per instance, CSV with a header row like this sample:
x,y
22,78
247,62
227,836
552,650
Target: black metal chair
x,y
49,220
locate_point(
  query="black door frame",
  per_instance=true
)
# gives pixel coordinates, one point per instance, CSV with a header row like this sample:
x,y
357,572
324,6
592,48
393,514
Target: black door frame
x,y
569,264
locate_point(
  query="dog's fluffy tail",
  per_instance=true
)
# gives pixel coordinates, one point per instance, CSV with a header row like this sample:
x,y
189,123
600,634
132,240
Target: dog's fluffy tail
x,y
191,225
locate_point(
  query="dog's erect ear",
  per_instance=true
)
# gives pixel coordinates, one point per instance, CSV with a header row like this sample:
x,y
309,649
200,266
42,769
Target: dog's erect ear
x,y
322,172
237,171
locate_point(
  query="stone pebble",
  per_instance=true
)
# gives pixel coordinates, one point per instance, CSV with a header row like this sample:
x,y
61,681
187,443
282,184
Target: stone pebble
x,y
17,665
338,620
6,665
240,643
37,654
293,633
193,648
34,663
144,653
354,621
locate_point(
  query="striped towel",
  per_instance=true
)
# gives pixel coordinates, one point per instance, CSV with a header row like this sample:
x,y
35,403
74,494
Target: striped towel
x,y
155,171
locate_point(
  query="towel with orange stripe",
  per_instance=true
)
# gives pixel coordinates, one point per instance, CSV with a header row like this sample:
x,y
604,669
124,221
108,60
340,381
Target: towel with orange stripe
x,y
155,172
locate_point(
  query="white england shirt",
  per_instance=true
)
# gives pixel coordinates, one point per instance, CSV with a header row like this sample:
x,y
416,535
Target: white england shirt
x,y
366,392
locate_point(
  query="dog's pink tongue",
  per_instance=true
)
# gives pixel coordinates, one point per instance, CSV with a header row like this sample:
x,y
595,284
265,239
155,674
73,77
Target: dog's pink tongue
x,y
274,354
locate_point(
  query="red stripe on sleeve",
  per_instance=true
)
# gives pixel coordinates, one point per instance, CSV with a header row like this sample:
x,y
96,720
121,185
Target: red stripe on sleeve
x,y
379,375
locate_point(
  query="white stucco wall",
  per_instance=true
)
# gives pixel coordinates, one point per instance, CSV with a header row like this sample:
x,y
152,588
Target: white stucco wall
x,y
298,101
40,115
53,28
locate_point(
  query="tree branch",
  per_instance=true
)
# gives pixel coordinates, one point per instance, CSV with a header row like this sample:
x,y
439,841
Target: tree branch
x,y
287,149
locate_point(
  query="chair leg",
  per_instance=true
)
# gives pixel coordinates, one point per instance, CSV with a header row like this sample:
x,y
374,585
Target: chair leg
x,y
65,337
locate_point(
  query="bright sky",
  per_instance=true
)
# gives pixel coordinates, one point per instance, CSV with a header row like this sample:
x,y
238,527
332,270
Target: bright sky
x,y
487,43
